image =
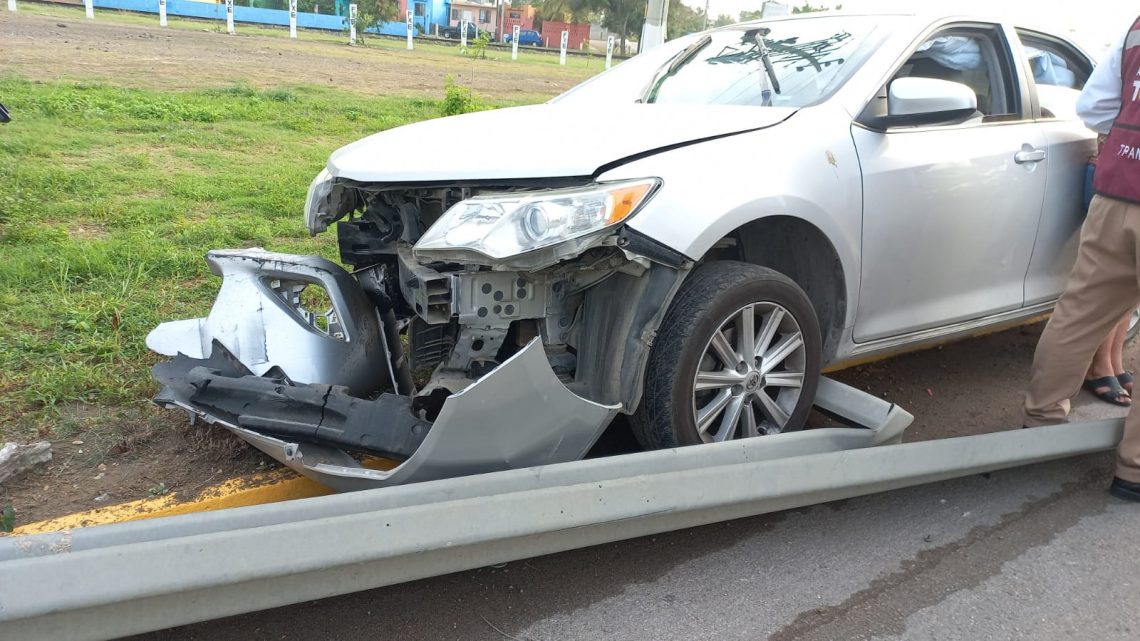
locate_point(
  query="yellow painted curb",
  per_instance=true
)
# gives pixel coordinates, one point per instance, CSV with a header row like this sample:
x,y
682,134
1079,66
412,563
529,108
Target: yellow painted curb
x,y
240,492
272,487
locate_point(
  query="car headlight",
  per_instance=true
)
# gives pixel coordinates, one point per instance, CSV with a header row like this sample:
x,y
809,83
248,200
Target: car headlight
x,y
505,225
319,204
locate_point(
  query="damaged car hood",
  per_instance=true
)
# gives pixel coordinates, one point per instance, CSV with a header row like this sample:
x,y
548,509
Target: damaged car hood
x,y
538,141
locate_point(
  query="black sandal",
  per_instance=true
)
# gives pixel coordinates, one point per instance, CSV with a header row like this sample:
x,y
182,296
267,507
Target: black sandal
x,y
1125,379
1114,394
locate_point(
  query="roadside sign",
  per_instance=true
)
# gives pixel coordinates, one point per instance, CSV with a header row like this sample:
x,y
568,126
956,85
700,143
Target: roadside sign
x,y
351,24
772,9
162,13
411,29
293,19
229,16
562,55
463,34
609,52
514,41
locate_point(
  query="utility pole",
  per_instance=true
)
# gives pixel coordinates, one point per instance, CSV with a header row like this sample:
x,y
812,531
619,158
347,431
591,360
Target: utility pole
x,y
706,16
502,15
653,33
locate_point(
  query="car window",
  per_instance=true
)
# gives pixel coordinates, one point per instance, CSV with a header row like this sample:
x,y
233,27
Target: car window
x,y
809,60
975,57
1059,73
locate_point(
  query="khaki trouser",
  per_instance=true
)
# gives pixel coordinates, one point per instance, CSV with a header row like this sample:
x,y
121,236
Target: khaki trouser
x,y
1104,284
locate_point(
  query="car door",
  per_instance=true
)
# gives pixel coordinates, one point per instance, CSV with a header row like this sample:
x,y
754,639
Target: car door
x,y
1055,73
950,211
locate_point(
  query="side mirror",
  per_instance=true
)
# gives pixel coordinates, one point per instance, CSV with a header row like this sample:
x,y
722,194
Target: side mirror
x,y
925,101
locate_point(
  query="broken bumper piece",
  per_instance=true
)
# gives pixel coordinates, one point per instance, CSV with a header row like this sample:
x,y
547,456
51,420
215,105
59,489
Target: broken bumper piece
x,y
518,415
260,319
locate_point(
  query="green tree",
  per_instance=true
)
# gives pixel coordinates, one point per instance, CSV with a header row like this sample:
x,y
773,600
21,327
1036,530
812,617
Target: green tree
x,y
373,13
683,19
565,10
807,7
623,18
723,20
745,16
478,48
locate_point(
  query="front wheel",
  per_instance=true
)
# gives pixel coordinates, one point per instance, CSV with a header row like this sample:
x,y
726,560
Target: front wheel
x,y
737,355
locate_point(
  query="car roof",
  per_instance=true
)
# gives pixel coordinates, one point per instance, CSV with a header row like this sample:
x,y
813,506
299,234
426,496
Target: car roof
x,y
920,18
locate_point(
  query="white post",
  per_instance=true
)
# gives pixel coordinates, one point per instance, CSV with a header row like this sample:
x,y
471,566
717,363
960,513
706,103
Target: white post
x,y
293,19
162,13
609,52
89,5
514,42
230,16
565,39
352,24
411,28
463,34
11,5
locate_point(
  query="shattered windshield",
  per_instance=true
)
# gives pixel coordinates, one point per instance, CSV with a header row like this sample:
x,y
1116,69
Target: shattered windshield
x,y
790,63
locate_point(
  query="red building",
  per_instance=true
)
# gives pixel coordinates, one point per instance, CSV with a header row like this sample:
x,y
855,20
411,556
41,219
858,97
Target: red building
x,y
578,37
522,15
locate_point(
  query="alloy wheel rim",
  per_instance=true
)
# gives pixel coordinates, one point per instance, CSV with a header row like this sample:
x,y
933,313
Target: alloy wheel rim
x,y
751,374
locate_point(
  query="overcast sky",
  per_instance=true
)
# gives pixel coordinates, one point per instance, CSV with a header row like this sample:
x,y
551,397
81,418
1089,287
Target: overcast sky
x,y
1095,23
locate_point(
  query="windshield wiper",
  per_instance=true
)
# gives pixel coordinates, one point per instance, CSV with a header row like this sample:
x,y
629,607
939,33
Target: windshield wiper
x,y
680,60
766,58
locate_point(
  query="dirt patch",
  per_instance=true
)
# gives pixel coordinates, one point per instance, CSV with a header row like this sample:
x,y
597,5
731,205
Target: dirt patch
x,y
124,455
970,387
151,57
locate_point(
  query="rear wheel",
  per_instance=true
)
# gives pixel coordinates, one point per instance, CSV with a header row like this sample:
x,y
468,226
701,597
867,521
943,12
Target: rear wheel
x,y
737,355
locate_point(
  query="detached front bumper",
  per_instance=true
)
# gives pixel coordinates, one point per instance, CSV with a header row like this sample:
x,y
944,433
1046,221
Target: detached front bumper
x,y
261,368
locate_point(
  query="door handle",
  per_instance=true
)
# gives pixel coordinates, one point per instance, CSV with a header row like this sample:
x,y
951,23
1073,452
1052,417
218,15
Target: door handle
x,y
1028,156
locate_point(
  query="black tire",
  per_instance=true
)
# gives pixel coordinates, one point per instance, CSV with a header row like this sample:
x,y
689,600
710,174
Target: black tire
x,y
712,296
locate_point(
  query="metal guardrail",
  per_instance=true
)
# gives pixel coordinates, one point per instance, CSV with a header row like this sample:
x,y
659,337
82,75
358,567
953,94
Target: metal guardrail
x,y
111,581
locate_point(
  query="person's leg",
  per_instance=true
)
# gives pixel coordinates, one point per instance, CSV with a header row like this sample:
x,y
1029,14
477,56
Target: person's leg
x,y
1127,482
1101,287
1117,354
1101,380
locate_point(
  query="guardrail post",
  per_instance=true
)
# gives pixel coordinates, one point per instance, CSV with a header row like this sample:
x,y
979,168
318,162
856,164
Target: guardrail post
x,y
514,41
411,28
609,52
293,19
562,55
11,5
89,6
162,13
230,17
352,24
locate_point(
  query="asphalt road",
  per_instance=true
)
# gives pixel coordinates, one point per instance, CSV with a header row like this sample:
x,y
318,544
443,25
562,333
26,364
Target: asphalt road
x,y
1040,552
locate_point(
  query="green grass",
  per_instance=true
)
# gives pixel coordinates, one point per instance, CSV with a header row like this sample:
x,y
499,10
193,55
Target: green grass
x,y
110,197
